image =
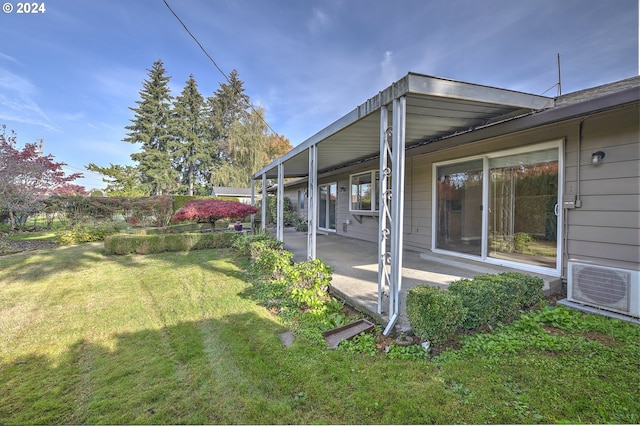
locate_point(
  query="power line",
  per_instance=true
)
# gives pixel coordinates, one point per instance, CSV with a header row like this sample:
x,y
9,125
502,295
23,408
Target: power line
x,y
215,64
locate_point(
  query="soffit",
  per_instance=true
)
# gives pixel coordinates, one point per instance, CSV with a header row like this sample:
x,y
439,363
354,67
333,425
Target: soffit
x,y
435,108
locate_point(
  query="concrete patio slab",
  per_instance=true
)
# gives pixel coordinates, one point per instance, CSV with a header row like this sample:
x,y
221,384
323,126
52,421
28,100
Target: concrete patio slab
x,y
355,271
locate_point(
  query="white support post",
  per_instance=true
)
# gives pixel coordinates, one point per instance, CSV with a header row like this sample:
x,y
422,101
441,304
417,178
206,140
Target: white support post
x,y
384,218
253,203
263,217
312,208
280,213
397,208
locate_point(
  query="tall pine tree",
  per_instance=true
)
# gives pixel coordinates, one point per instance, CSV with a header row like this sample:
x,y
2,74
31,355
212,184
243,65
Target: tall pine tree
x,y
193,151
151,127
228,105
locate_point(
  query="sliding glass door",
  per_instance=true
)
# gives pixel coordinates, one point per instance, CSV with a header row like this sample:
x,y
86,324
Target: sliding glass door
x,y
327,206
502,207
523,208
459,207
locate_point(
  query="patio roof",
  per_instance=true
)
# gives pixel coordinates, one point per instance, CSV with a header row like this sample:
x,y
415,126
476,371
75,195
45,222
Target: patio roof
x,y
435,108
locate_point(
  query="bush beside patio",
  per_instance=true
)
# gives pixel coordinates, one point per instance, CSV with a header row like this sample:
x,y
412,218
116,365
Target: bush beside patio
x,y
484,302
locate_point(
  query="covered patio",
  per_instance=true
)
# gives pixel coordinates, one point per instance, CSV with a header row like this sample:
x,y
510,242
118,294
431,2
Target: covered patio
x,y
418,113
355,271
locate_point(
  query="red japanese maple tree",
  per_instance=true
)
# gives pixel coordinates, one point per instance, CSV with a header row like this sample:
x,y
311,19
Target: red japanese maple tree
x,y
212,209
27,176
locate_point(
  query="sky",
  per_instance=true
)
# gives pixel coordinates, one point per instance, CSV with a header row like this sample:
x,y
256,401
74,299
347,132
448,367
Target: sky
x,y
70,73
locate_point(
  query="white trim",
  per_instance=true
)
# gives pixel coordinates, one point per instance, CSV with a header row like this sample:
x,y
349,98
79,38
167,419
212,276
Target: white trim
x,y
374,195
558,144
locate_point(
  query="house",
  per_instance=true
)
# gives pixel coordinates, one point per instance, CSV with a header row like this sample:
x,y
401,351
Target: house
x,y
242,194
544,185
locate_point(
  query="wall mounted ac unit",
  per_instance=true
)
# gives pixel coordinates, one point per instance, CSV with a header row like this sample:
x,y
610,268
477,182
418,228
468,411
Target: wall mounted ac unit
x,y
604,287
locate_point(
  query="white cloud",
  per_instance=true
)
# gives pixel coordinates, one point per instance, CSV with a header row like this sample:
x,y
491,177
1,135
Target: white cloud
x,y
388,69
17,104
318,22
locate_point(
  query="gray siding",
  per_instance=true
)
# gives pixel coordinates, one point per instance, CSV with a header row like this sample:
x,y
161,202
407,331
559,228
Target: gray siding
x,y
604,230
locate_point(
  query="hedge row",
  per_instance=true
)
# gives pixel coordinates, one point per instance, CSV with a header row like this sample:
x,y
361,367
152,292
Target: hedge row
x,y
176,229
147,244
485,301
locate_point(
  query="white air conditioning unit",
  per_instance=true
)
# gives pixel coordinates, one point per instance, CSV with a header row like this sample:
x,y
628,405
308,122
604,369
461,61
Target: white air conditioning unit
x,y
604,287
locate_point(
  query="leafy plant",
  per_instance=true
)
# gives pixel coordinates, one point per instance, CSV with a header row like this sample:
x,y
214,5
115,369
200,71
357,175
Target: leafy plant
x,y
85,233
434,314
408,353
363,343
269,263
244,243
308,284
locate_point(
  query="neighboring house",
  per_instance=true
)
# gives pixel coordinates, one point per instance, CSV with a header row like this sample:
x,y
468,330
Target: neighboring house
x,y
543,185
242,194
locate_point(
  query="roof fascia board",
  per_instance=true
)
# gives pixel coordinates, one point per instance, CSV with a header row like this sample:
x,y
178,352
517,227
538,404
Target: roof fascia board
x,y
420,85
397,89
542,118
440,87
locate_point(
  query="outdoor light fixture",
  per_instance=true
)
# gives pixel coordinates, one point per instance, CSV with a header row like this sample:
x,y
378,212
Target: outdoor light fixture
x,y
596,157
343,189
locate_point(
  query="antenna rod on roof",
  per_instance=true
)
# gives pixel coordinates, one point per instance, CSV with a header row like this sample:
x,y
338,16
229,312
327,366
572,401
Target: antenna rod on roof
x,y
559,80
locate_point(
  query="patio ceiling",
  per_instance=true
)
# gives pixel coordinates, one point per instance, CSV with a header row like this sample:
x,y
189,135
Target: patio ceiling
x,y
436,108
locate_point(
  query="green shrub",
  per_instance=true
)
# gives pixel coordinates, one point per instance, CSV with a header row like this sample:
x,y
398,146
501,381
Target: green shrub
x,y
243,243
269,263
529,288
491,299
484,300
301,225
308,285
180,228
434,314
147,244
84,233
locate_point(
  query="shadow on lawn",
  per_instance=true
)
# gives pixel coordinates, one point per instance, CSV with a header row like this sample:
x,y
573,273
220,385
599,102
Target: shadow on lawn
x,y
227,370
32,265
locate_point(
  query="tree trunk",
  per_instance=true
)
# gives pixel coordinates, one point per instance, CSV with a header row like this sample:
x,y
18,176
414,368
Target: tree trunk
x,y
190,180
12,220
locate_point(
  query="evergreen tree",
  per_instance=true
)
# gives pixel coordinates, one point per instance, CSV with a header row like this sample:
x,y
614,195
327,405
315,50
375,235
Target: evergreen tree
x,y
122,181
151,127
228,105
193,151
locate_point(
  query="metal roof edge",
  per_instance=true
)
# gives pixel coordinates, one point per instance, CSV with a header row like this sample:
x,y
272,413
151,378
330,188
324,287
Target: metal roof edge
x,y
420,84
549,116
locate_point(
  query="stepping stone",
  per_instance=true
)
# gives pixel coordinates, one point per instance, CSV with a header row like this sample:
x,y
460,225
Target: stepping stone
x,y
286,338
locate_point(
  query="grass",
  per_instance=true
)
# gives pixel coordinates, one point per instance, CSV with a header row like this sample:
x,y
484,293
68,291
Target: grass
x,y
33,236
177,338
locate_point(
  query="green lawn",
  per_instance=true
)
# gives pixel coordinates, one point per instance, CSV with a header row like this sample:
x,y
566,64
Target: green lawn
x,y
176,338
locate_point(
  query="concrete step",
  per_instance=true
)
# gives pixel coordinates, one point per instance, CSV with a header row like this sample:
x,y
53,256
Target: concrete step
x,y
552,285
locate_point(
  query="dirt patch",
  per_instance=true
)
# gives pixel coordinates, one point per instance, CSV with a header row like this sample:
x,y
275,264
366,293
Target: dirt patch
x,y
24,245
602,338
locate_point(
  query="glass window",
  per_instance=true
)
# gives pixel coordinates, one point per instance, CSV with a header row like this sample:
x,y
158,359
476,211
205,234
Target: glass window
x,y
522,215
364,189
459,207
502,207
